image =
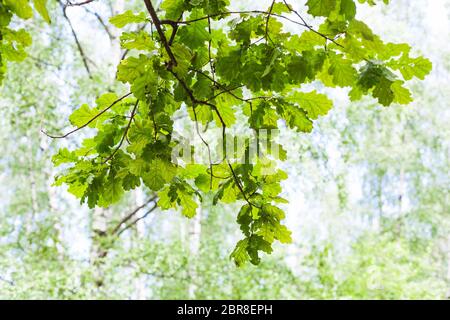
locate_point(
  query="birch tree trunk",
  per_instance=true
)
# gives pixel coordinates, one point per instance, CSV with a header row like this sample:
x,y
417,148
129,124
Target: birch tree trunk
x,y
100,216
195,230
139,282
448,267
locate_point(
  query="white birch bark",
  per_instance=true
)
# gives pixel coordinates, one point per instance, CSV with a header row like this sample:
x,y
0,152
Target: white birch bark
x,y
195,230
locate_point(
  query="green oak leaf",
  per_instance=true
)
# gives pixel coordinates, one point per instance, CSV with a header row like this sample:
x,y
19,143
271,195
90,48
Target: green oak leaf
x,y
123,19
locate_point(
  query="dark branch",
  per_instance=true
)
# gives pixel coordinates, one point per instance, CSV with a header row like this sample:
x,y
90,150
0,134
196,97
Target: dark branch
x,y
188,90
160,31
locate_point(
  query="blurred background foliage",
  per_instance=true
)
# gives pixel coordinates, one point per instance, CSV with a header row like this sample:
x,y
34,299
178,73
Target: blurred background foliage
x,y
369,189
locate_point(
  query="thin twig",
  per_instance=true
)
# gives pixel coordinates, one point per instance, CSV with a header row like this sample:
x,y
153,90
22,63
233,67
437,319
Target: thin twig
x,y
128,226
225,13
87,123
207,147
133,113
174,31
77,41
228,90
102,22
126,51
211,62
307,25
267,36
131,214
71,4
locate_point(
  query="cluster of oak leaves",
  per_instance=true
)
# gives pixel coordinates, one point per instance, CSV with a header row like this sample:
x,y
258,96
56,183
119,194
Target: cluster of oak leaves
x,y
199,55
